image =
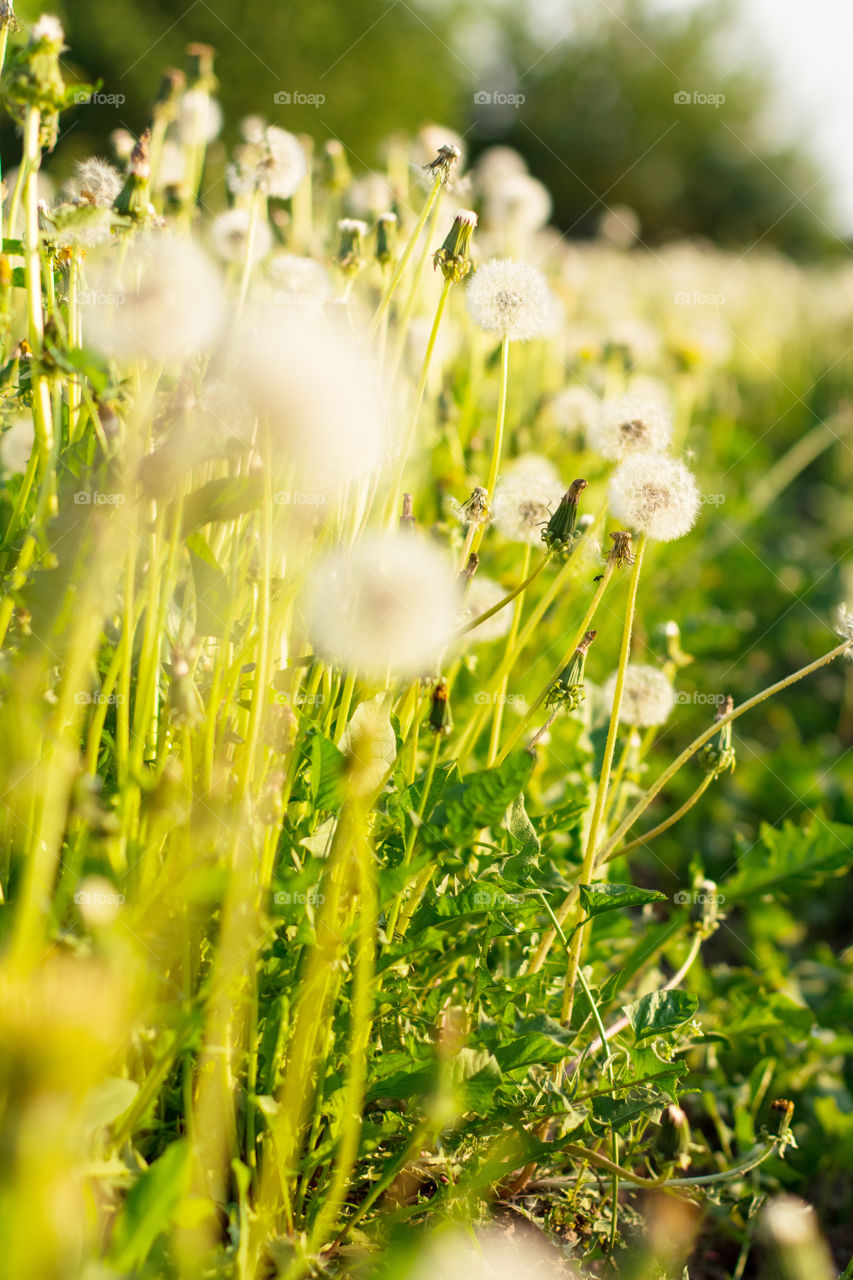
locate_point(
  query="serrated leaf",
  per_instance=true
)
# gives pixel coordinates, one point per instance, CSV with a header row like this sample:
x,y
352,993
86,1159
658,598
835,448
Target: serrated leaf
x,y
790,855
660,1012
601,896
480,800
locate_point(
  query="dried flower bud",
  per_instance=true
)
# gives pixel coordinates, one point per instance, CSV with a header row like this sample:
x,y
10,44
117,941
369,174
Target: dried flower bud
x,y
440,719
781,1114
568,689
386,238
200,62
132,201
718,757
470,569
454,255
560,532
475,510
407,519
172,85
340,174
445,162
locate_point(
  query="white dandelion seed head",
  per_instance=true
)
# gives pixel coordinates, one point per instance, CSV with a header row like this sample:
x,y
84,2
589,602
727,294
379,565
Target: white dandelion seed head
x,y
299,281
16,445
318,390
252,128
482,594
229,236
654,494
521,202
647,696
844,627
95,182
199,117
49,28
389,604
165,302
497,165
510,299
524,503
629,425
276,165
574,408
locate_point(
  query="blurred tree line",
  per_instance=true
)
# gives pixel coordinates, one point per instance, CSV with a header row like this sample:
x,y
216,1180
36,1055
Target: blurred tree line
x,y
599,121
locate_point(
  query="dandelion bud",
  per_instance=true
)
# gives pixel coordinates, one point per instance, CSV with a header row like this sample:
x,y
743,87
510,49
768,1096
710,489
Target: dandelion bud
x,y
510,299
647,696
350,255
674,1138
172,86
781,1114
34,77
445,162
718,757
568,689
386,238
340,174
655,495
407,519
440,719
793,1243
705,910
7,14
200,62
559,533
132,201
453,256
470,569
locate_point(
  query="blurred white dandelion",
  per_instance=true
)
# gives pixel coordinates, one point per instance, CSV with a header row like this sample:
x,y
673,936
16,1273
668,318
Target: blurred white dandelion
x,y
654,494
510,299
647,696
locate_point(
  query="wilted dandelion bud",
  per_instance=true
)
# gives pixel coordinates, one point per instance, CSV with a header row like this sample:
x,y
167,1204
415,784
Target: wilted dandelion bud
x,y
474,510
229,236
132,201
559,533
510,299
647,696
467,575
387,605
446,159
163,303
440,719
386,238
95,182
674,1139
454,255
655,495
793,1243
523,504
568,689
621,553
674,651
629,425
407,518
718,757
48,30
844,627
781,1115
7,14
350,255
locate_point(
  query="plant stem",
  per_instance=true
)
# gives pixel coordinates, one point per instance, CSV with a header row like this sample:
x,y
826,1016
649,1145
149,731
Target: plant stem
x,y
403,260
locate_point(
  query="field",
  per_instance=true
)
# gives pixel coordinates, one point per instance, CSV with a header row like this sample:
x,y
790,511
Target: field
x,y
425,722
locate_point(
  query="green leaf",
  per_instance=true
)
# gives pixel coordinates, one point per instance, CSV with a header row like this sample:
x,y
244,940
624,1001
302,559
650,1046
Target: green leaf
x,y
327,772
791,855
223,499
108,1100
539,1040
212,591
149,1206
601,896
660,1011
370,730
480,800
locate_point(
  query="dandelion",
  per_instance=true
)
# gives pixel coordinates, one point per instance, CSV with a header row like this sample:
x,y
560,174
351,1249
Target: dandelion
x,y
229,236
95,182
199,118
319,392
574,408
49,29
387,605
647,696
523,504
629,425
275,165
520,203
165,303
654,494
510,299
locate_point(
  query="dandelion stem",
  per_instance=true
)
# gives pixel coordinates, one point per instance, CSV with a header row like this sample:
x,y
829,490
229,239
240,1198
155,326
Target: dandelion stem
x,y
403,260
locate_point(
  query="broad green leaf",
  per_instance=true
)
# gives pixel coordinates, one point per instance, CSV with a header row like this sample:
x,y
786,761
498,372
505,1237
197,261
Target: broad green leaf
x,y
327,772
660,1011
480,800
600,896
788,856
150,1204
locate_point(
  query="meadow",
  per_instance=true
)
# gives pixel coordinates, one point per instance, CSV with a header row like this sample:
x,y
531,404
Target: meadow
x,y
425,720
